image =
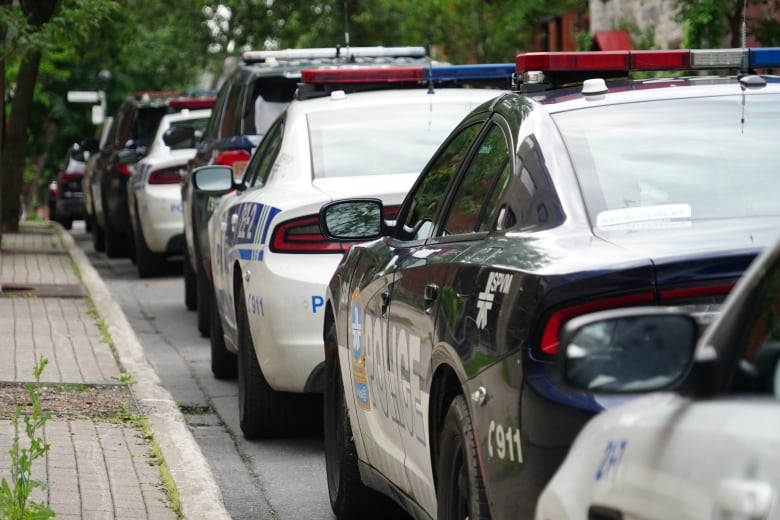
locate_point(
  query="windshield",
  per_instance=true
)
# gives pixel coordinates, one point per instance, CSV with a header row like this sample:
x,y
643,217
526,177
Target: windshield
x,y
397,138
682,159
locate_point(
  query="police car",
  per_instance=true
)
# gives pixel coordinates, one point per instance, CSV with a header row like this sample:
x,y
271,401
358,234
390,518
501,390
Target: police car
x,y
153,190
270,265
583,190
709,450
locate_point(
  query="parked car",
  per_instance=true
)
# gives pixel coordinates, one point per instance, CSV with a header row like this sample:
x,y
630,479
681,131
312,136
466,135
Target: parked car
x,y
574,194
703,443
270,265
248,101
154,192
129,136
66,195
101,136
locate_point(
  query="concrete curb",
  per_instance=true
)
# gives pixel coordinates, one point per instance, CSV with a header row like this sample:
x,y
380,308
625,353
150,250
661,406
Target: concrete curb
x,y
198,492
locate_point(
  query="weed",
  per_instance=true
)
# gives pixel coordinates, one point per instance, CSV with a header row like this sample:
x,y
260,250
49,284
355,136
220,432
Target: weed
x,y
126,378
15,503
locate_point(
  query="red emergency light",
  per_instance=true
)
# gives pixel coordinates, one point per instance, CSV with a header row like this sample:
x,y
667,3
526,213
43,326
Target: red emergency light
x,y
191,103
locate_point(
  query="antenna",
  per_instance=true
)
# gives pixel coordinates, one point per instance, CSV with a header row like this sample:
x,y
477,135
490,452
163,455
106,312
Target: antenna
x,y
428,37
744,38
346,25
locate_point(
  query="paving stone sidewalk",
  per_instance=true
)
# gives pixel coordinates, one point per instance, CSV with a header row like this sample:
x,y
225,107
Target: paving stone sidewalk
x,y
54,305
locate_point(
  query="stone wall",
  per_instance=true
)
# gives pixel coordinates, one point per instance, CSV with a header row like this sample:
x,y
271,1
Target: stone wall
x,y
638,17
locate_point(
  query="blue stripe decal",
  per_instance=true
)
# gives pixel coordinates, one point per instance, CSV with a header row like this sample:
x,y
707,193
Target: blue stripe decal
x,y
245,254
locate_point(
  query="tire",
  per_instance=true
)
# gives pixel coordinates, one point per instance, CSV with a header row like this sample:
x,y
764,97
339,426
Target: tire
x,y
190,294
149,263
98,236
349,497
460,490
263,412
202,294
224,364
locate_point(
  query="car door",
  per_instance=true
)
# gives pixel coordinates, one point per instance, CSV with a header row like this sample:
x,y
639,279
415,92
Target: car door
x,y
428,294
240,225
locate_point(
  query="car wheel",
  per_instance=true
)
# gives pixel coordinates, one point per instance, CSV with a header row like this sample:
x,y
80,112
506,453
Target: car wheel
x,y
349,497
149,263
98,236
203,290
190,295
263,412
460,491
224,364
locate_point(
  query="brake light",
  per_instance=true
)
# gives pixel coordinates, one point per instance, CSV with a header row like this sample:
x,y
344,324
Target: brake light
x,y
68,177
302,235
230,157
550,340
683,293
125,169
166,176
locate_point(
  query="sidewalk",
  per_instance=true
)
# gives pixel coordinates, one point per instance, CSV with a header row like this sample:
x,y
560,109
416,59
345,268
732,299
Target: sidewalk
x,y
99,466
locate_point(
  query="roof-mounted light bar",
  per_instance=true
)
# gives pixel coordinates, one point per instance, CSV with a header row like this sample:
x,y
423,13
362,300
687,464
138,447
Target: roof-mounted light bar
x,y
363,75
192,103
417,74
488,71
333,53
561,67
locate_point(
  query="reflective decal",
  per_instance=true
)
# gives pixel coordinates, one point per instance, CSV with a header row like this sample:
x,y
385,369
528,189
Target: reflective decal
x,y
175,208
613,455
256,305
615,217
358,353
254,221
316,303
506,442
496,283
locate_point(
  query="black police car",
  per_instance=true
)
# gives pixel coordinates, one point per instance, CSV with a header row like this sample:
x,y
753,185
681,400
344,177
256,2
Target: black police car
x,y
247,103
544,204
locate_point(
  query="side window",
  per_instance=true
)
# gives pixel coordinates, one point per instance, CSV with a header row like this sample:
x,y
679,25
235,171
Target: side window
x,y
423,207
261,165
762,350
469,211
213,128
232,106
529,200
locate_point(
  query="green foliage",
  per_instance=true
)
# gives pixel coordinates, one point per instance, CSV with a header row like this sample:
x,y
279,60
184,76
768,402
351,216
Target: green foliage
x,y
709,23
15,503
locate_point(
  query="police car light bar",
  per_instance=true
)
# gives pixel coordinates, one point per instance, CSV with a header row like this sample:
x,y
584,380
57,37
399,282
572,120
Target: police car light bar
x,y
417,74
192,103
627,61
333,53
470,72
362,75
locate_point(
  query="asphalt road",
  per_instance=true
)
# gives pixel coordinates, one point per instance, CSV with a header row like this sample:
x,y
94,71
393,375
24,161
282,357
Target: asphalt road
x,y
269,479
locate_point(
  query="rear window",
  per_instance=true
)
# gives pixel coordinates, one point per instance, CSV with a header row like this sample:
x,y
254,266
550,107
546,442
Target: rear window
x,y
388,139
685,159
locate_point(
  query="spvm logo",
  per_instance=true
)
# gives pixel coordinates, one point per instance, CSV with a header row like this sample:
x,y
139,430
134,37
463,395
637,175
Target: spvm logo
x,y
496,283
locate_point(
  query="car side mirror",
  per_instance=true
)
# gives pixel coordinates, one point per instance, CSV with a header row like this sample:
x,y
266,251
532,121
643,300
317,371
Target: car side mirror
x,y
129,156
629,350
213,179
352,219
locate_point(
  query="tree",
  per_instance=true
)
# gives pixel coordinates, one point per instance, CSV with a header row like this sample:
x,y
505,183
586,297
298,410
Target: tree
x,y
32,27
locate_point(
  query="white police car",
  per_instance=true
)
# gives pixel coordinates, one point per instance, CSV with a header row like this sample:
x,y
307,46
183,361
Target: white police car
x,y
708,450
154,193
270,263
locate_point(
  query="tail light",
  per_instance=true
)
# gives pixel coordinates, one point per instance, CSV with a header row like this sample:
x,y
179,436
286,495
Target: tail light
x,y
165,176
302,235
677,296
125,169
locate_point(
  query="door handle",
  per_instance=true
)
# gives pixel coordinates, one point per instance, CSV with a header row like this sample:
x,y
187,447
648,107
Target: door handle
x,y
431,295
385,296
233,222
744,498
